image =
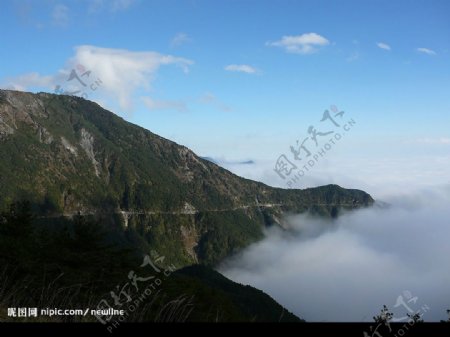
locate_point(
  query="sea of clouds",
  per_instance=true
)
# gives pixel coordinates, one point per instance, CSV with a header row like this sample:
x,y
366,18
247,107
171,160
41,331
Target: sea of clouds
x,y
348,268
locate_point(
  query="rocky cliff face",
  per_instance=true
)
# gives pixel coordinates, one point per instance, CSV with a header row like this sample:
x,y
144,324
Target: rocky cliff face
x,y
68,155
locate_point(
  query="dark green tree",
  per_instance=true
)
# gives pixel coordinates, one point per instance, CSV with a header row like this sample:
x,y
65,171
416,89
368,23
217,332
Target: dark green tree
x,y
16,221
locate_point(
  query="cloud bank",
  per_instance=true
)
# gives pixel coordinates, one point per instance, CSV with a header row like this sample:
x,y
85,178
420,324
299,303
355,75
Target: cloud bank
x,y
346,270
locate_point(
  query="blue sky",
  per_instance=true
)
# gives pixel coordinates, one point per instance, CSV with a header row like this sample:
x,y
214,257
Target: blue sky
x,y
244,79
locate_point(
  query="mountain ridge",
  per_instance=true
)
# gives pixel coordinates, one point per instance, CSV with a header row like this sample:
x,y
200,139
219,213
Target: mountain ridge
x,y
70,156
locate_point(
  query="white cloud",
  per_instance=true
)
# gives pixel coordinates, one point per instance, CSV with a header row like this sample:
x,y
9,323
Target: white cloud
x,y
59,12
60,15
441,140
353,57
111,5
210,99
426,51
307,43
243,68
118,5
23,82
383,46
95,6
122,73
158,105
180,39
